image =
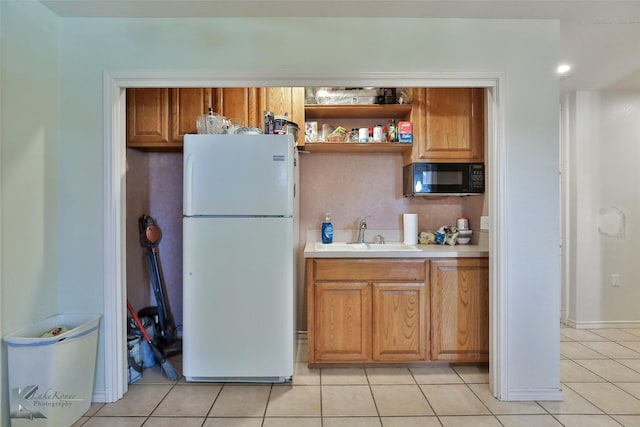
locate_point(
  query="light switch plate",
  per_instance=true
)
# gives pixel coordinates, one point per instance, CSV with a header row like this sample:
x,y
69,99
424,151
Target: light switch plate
x,y
484,223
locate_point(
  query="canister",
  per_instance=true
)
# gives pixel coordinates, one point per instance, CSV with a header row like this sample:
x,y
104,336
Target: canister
x,y
280,125
462,223
363,135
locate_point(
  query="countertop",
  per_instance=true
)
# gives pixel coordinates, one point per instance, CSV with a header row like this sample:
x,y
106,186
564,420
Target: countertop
x,y
478,249
425,251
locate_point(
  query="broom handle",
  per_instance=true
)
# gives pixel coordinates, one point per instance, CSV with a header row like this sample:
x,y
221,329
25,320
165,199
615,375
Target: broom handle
x,y
138,322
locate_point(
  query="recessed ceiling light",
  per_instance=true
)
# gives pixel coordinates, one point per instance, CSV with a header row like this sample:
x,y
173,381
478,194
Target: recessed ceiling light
x,y
564,68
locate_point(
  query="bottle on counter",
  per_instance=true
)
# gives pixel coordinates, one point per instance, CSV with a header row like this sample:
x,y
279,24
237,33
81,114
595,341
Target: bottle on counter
x,y
327,229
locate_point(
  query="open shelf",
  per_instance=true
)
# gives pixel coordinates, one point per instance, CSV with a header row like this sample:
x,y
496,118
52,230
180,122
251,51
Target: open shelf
x,y
353,147
368,111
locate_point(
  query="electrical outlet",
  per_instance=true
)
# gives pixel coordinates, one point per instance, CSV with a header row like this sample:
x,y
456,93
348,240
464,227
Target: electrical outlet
x,y
484,223
615,279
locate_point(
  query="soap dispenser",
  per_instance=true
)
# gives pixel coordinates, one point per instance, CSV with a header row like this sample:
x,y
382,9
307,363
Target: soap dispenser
x,y
327,229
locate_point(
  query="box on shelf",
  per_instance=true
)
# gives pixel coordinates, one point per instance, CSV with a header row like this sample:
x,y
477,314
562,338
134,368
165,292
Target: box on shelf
x,y
405,132
343,96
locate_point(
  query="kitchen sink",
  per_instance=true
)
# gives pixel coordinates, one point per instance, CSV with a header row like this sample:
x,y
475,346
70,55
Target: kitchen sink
x,y
364,247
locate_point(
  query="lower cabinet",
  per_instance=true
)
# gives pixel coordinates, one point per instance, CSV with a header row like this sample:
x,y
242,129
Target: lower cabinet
x,y
342,321
367,310
397,310
399,329
460,310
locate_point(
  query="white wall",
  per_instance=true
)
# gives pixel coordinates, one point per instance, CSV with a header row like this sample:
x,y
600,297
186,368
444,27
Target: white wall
x,y
30,137
605,153
87,47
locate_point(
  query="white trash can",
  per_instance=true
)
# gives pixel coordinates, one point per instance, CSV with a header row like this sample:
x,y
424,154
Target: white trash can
x,y
51,378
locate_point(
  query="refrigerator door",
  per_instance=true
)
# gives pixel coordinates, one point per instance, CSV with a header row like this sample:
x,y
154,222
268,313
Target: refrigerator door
x,y
239,298
238,175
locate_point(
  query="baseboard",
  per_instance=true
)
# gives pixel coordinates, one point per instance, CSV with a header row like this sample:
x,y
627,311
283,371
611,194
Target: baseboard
x,y
535,394
597,324
99,396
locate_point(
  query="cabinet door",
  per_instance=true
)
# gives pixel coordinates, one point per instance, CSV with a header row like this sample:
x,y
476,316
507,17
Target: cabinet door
x,y
186,105
282,100
399,321
342,328
453,126
147,117
460,310
240,104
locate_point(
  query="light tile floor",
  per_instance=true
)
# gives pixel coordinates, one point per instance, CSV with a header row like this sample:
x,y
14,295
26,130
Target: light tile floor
x,y
599,372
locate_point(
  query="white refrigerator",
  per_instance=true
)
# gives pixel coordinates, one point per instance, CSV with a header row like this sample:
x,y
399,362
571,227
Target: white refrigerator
x,y
240,232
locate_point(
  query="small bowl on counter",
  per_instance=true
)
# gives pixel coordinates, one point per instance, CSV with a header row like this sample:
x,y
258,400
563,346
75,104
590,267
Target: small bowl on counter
x,y
464,237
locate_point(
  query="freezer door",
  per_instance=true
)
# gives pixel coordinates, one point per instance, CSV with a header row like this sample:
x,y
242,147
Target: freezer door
x,y
238,299
238,175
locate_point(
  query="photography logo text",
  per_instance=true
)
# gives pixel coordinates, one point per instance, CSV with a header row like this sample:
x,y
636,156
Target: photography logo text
x,y
28,402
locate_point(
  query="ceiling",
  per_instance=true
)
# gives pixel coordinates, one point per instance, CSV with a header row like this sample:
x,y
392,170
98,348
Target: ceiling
x,y
600,39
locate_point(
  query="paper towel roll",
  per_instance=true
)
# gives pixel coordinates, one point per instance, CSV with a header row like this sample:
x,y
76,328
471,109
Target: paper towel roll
x,y
410,222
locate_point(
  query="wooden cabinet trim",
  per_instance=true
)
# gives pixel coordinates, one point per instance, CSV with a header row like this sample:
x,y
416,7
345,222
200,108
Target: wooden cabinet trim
x,y
369,269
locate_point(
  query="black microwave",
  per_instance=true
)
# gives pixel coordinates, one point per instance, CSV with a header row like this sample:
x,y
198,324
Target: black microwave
x,y
423,179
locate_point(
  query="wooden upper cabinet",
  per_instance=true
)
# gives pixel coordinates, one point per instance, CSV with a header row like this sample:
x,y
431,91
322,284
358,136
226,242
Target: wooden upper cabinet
x,y
159,118
148,117
239,104
449,123
186,105
460,310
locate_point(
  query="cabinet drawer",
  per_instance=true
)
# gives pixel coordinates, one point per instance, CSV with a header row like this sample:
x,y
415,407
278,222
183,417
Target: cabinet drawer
x,y
369,269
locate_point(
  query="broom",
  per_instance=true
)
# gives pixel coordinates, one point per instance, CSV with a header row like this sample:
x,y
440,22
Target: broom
x,y
169,371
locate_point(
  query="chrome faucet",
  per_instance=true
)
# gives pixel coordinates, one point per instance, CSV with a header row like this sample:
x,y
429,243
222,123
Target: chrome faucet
x,y
361,228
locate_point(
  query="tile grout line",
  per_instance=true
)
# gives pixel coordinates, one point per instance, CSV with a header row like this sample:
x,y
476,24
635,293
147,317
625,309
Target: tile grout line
x,y
605,379
425,396
604,339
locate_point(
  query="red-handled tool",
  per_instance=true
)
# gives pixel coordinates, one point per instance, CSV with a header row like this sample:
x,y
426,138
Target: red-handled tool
x,y
169,371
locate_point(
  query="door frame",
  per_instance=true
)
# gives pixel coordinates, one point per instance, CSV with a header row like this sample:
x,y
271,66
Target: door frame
x,y
115,84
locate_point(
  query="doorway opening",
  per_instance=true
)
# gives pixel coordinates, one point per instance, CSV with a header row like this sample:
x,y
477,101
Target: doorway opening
x,y
115,85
